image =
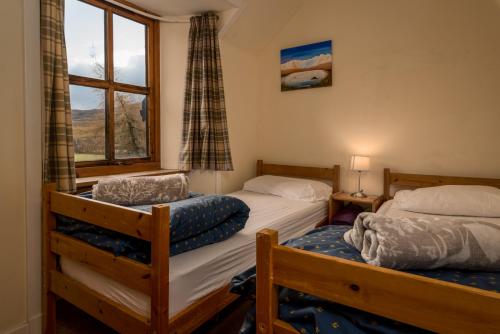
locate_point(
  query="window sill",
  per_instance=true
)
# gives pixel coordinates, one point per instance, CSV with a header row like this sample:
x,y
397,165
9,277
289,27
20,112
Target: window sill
x,y
82,171
84,183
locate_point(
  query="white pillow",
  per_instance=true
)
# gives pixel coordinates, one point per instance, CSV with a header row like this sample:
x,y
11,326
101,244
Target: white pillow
x,y
452,200
290,188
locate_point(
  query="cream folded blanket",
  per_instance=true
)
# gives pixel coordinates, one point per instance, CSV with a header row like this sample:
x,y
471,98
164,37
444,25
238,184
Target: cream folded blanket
x,y
426,243
142,190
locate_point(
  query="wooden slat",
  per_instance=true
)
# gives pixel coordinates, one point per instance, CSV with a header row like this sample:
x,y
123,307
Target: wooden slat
x,y
130,273
110,99
267,294
281,327
417,180
155,115
88,82
100,307
298,171
49,263
94,171
122,87
258,171
117,218
160,252
427,303
422,181
331,174
387,184
201,311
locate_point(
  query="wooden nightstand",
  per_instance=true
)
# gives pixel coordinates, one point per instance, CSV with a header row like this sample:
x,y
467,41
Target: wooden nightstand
x,y
339,199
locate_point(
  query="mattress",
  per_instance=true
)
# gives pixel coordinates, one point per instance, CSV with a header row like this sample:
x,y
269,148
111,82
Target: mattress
x,y
391,209
196,273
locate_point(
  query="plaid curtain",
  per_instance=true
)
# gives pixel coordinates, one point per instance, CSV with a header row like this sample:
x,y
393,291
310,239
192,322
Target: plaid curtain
x,y
205,138
59,163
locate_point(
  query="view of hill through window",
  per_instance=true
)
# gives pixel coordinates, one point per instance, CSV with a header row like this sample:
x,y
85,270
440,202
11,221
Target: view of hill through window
x,y
97,121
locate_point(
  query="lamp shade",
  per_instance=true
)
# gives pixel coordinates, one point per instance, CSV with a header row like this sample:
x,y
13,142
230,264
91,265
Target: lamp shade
x,y
360,163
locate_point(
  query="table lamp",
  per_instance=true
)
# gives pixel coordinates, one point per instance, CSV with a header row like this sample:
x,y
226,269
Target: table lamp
x,y
360,164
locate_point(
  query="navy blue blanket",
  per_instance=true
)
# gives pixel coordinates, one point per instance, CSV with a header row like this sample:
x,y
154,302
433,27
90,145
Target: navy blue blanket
x,y
194,222
311,315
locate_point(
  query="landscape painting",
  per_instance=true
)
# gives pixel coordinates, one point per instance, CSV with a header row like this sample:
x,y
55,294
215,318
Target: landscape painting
x,y
307,66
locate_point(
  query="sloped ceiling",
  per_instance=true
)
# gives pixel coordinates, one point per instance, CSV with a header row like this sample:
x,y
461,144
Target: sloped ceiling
x,y
259,21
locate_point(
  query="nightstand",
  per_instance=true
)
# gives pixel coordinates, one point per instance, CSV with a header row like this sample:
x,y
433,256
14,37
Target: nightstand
x,y
339,199
373,202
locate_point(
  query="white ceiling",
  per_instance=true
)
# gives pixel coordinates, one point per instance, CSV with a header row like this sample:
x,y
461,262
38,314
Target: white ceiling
x,y
248,24
184,7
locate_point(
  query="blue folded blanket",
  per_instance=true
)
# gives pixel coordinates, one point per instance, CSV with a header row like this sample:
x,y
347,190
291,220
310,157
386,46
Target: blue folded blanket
x,y
194,222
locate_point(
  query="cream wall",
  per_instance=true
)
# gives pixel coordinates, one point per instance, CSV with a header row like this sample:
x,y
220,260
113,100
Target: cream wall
x,y
416,86
240,72
12,170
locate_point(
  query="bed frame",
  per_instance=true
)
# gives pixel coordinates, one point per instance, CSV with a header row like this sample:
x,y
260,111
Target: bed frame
x,y
152,279
427,303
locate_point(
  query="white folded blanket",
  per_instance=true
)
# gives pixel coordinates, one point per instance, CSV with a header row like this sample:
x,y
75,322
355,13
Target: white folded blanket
x,y
142,190
426,243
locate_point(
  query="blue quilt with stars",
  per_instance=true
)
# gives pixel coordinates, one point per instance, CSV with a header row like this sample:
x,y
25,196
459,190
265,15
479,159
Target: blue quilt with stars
x,y
312,315
194,222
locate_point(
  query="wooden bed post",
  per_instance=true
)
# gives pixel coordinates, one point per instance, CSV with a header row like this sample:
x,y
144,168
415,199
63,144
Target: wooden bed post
x,y
267,294
160,254
387,184
49,263
336,179
333,206
259,167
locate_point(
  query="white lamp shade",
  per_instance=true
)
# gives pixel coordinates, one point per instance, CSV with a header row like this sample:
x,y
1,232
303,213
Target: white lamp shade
x,y
360,163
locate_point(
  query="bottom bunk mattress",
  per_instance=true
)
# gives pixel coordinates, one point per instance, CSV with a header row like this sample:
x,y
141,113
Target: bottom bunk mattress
x,y
309,314
196,273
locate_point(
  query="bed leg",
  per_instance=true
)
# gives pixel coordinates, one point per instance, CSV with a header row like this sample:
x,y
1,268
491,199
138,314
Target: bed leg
x,y
160,253
49,263
267,294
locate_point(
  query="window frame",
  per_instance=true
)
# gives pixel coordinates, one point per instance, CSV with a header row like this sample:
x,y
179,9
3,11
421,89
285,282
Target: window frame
x,y
111,165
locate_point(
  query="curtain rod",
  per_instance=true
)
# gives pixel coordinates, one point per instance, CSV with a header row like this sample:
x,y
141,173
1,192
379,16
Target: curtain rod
x,y
166,19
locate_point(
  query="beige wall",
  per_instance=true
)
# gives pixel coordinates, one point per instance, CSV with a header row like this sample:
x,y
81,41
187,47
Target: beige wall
x,y
12,170
240,72
416,86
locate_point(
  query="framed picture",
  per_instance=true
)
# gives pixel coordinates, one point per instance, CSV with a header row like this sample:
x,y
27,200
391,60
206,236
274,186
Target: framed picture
x,y
307,66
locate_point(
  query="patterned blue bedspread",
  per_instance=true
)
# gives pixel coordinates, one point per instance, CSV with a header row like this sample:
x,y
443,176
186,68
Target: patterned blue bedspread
x,y
194,222
312,315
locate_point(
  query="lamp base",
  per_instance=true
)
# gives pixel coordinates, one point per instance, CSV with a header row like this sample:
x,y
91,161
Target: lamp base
x,y
359,194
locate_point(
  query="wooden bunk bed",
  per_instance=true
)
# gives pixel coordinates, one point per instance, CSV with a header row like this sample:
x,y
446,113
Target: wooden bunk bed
x,y
420,301
152,279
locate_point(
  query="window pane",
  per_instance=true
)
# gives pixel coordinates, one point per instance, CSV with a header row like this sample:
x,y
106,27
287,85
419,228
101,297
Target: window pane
x,y
84,31
129,52
131,139
89,122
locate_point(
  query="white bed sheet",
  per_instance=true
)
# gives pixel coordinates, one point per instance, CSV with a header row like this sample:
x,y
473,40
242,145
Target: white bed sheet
x,y
391,209
196,273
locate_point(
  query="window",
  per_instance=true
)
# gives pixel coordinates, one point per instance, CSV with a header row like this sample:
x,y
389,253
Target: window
x,y
112,66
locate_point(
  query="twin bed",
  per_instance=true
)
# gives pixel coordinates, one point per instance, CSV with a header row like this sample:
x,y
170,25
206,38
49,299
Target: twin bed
x,y
428,300
172,294
177,294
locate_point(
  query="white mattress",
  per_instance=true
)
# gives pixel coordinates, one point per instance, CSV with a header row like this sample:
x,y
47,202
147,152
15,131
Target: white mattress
x,y
391,209
196,273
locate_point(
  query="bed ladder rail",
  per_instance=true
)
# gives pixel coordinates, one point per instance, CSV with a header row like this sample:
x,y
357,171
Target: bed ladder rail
x,y
150,279
420,301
